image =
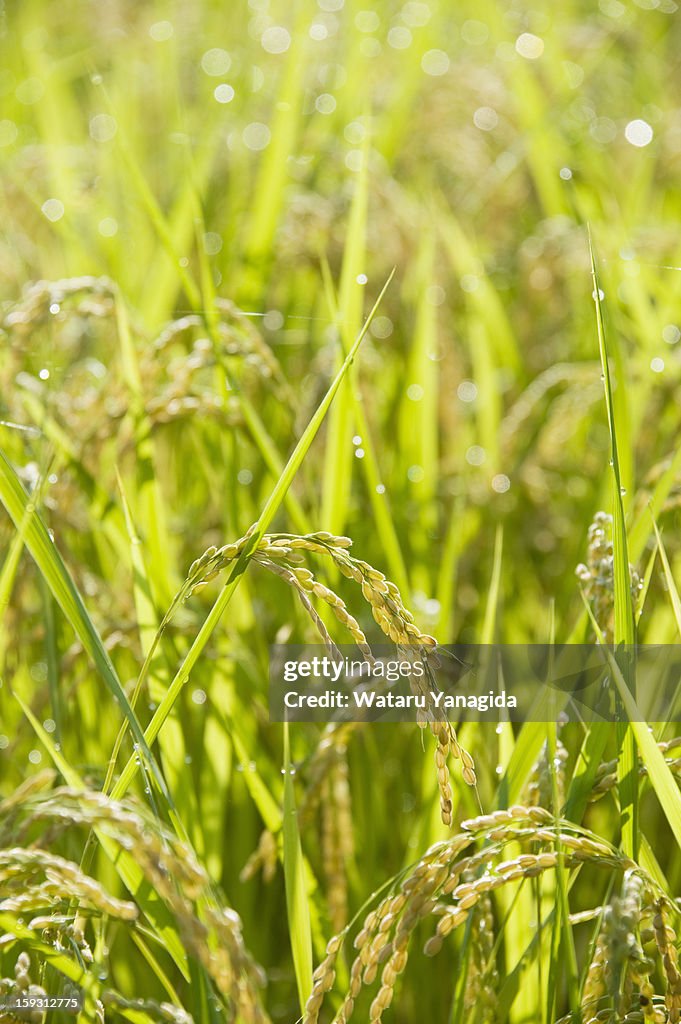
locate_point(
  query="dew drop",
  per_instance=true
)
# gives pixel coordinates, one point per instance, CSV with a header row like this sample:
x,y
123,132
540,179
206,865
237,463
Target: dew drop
x,y
638,133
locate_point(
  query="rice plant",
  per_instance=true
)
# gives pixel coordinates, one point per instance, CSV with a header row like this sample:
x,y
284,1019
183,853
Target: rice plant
x,y
328,323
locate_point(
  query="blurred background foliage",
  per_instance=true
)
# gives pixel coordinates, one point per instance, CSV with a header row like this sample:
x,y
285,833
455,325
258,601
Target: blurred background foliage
x,y
200,203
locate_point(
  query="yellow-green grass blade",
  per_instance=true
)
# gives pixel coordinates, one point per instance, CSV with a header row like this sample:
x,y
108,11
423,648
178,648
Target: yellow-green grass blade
x,y
624,629
51,657
147,491
156,967
647,577
515,980
106,512
338,456
58,107
51,565
378,495
172,745
562,938
272,178
160,292
462,527
297,906
153,581
544,147
489,624
419,415
624,612
216,774
661,779
642,527
268,808
669,577
9,571
8,576
272,460
527,1002
129,871
525,752
483,302
488,402
589,758
150,203
650,863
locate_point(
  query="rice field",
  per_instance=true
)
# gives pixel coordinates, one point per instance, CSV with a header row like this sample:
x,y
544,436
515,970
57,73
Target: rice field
x,y
346,324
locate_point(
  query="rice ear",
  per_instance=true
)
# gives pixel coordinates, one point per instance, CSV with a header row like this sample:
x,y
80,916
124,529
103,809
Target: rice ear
x,y
453,885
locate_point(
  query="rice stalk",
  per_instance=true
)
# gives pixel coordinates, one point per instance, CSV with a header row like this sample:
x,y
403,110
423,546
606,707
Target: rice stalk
x,y
337,845
547,771
281,554
22,985
619,964
597,575
64,901
480,991
450,888
606,773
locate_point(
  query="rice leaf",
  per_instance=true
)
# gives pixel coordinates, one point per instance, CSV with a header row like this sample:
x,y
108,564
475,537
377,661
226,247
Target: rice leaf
x,y
669,577
129,871
624,630
297,906
51,565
